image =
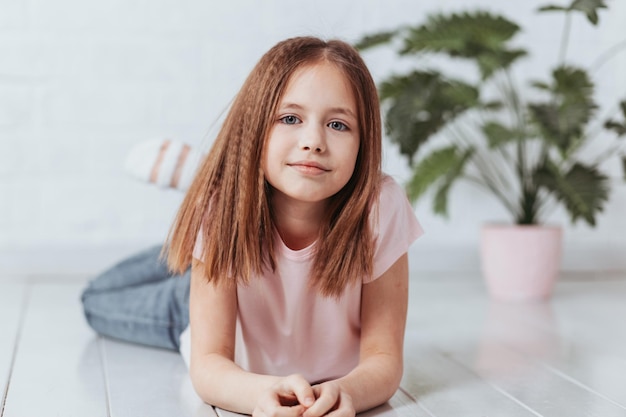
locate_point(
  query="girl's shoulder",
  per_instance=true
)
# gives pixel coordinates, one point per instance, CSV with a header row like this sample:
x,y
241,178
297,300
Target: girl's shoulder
x,y
389,184
394,225
391,194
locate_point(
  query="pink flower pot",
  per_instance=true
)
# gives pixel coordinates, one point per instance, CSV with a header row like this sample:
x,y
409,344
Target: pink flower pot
x,y
521,262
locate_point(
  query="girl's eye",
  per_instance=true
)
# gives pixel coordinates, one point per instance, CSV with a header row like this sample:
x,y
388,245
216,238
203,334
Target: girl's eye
x,y
338,126
289,120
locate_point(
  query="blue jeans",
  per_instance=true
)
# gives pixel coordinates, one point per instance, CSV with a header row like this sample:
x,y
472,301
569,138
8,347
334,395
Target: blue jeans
x,y
139,301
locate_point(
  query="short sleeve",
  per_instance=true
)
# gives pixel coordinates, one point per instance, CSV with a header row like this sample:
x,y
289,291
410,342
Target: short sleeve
x,y
394,226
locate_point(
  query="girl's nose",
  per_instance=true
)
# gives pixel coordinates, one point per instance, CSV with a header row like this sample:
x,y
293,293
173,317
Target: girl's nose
x,y
312,139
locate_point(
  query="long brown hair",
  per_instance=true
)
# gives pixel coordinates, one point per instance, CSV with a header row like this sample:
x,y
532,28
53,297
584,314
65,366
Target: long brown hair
x,y
237,229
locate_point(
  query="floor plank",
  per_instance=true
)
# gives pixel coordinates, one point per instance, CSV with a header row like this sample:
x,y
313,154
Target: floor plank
x,y
55,372
547,393
149,382
400,405
465,355
535,330
588,313
522,351
443,388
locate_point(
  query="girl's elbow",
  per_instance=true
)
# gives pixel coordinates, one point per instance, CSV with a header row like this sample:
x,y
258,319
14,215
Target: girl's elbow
x,y
396,370
389,371
201,386
394,383
203,382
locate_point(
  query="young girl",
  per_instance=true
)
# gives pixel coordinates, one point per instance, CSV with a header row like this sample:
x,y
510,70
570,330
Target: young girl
x,y
297,244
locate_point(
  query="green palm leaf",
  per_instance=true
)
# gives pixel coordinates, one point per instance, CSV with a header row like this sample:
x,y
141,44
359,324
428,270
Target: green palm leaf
x,y
588,7
435,167
498,135
440,204
553,8
562,118
489,63
582,189
479,35
614,125
375,39
464,34
420,104
572,82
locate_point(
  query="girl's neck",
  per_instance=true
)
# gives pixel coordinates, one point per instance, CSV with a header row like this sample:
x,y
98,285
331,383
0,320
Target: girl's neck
x,y
297,222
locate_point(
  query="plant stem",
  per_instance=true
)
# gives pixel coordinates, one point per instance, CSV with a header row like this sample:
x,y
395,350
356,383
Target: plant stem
x,y
516,103
608,153
490,187
565,37
488,179
515,107
606,56
506,156
486,164
509,92
545,207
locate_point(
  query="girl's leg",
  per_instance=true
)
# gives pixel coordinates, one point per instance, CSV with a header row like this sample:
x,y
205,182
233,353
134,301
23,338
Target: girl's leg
x,y
166,163
138,301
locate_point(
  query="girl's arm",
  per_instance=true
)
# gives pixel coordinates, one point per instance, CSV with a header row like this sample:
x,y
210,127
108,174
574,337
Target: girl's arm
x,y
215,376
377,376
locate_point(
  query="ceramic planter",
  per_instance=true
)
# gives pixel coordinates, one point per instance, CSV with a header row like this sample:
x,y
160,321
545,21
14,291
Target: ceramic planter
x,y
521,262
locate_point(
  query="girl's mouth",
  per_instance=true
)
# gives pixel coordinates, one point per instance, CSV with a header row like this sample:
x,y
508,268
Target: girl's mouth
x,y
309,167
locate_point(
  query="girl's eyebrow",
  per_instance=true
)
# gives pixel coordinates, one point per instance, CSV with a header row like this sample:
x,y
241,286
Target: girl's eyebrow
x,y
341,110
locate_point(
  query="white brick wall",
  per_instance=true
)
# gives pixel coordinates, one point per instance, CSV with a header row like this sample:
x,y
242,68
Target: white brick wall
x,y
81,81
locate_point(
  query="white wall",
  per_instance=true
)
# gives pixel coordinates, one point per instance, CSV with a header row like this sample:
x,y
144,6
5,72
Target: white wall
x,y
81,81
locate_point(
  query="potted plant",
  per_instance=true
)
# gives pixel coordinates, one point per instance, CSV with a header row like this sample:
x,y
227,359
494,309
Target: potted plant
x,y
530,151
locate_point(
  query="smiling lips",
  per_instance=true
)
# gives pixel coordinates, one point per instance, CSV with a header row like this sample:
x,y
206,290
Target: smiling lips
x,y
309,167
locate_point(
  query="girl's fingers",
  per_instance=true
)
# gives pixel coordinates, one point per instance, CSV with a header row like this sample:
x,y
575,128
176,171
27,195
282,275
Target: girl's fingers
x,y
290,397
330,403
345,409
275,408
298,386
320,408
289,411
326,400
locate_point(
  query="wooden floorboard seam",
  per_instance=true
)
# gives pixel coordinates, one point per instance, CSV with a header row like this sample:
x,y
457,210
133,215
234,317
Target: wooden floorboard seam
x,y
415,401
405,392
16,343
494,386
561,374
425,409
580,384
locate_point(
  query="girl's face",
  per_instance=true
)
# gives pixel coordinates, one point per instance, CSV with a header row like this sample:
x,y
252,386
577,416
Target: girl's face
x,y
312,147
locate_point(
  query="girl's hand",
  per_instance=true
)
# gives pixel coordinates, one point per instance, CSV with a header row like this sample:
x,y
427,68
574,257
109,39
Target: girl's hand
x,y
331,401
289,397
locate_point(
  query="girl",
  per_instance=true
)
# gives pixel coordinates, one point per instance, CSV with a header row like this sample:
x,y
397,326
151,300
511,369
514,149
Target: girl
x,y
297,245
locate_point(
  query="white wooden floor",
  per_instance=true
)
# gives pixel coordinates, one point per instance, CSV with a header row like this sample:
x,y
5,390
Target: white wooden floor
x,y
465,356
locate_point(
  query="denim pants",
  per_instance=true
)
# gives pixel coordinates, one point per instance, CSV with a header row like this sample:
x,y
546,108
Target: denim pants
x,y
137,300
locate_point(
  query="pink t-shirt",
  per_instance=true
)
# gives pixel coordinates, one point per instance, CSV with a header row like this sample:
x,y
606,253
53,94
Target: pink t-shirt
x,y
283,327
